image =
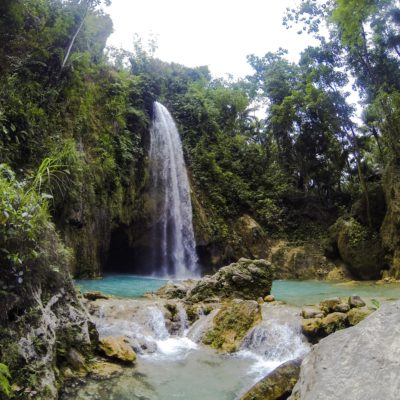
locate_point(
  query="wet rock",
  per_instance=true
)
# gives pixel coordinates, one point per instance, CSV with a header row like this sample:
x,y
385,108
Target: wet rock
x,y
245,279
358,363
277,385
311,312
333,322
104,370
117,347
356,301
317,328
175,290
356,315
269,299
76,360
329,305
231,324
92,296
311,327
342,308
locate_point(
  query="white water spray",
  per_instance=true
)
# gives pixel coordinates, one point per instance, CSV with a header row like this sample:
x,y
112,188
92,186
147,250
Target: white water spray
x,y
175,247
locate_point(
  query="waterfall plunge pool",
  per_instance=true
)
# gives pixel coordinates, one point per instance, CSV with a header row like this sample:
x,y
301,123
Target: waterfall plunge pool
x,y
179,366
297,293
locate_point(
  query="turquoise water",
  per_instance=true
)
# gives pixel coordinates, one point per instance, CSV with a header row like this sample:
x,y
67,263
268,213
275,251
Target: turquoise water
x,y
312,292
128,286
292,292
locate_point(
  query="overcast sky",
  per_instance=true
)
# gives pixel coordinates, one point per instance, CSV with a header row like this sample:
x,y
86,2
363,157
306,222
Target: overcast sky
x,y
217,33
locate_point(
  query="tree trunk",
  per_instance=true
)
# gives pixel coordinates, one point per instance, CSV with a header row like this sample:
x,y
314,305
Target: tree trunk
x,y
71,43
361,177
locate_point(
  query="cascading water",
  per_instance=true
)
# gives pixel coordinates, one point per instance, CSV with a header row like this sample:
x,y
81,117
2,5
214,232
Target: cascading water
x,y
173,362
174,251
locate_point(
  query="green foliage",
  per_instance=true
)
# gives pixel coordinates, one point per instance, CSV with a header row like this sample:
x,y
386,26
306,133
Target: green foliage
x,y
5,377
376,303
28,242
357,233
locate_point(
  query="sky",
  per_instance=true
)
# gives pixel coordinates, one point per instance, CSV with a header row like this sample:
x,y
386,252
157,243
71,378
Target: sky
x,y
217,33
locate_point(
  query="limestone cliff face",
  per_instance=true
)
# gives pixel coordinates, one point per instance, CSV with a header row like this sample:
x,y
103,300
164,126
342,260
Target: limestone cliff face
x,y
43,328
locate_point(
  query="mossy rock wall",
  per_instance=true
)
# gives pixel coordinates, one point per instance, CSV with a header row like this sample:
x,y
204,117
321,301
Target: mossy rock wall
x,y
390,230
360,249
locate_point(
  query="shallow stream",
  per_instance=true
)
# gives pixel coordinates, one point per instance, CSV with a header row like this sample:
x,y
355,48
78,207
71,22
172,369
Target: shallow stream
x,y
176,365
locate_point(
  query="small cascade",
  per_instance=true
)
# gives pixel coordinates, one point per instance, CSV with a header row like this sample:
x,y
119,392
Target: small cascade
x,y
183,320
156,322
203,324
174,251
275,340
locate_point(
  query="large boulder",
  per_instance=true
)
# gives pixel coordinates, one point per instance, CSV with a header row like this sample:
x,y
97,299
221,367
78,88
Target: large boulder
x,y
359,363
358,248
307,261
277,385
245,279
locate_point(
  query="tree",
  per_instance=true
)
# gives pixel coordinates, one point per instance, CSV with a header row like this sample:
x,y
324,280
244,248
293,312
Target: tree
x,y
85,6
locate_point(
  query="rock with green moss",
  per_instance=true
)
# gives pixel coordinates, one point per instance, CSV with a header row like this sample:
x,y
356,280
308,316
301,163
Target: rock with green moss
x,y
278,384
356,315
306,261
245,279
317,328
174,290
311,328
231,324
329,305
333,322
117,348
360,249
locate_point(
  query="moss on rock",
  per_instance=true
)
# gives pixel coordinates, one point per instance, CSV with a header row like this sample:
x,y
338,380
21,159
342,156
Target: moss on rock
x,y
360,249
245,279
231,324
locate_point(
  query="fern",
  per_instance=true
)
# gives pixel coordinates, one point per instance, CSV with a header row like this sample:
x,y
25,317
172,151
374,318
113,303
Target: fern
x,y
5,376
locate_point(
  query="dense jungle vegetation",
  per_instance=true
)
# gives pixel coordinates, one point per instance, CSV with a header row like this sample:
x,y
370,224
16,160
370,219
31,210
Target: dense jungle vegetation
x,y
74,118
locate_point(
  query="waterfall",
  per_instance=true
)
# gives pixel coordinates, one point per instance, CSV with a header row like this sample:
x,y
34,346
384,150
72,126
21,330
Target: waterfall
x,y
174,250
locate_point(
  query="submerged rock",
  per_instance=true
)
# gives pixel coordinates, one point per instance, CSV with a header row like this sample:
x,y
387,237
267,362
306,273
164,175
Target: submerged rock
x,y
278,384
358,363
101,369
245,279
117,347
231,325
